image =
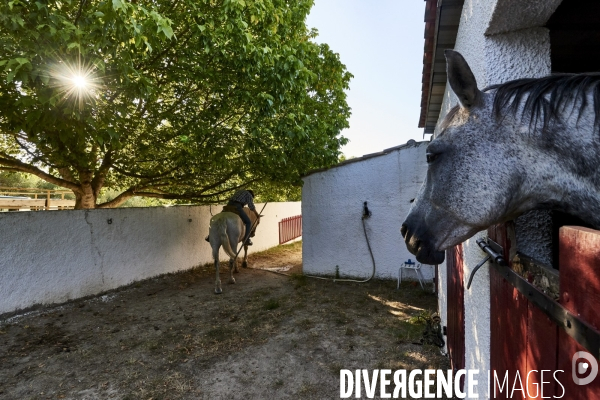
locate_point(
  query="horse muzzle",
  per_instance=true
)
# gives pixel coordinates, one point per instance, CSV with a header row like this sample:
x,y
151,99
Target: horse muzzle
x,y
420,243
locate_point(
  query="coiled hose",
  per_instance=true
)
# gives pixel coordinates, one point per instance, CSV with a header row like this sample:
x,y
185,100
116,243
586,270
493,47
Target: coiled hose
x,y
366,214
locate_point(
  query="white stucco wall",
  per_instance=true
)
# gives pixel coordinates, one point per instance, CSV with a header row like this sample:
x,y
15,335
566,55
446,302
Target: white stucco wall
x,y
54,256
332,205
501,40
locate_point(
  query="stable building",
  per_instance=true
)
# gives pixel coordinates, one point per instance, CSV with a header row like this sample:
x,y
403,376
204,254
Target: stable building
x,y
333,199
509,320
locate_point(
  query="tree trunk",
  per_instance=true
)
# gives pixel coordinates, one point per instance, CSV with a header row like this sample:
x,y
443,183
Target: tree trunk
x,y
85,197
117,201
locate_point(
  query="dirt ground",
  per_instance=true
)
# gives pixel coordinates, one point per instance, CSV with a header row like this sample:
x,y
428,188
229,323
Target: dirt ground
x,y
266,337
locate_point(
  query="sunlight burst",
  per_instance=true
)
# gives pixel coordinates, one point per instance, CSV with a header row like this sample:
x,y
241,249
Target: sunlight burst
x,y
79,81
76,81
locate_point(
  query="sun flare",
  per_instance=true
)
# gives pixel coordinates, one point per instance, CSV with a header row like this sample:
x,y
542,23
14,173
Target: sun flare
x,y
76,81
79,81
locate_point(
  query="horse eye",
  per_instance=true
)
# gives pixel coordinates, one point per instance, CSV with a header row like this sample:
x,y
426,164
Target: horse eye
x,y
431,157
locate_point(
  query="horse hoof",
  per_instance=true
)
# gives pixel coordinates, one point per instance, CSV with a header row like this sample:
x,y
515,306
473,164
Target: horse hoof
x,y
244,264
218,291
232,280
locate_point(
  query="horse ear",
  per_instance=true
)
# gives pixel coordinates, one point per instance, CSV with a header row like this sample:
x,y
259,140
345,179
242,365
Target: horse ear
x,y
461,78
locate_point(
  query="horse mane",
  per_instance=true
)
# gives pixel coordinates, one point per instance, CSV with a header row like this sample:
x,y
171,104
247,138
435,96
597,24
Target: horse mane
x,y
448,118
547,97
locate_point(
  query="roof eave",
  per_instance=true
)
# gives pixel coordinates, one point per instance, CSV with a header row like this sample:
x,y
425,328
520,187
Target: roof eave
x,y
442,18
410,143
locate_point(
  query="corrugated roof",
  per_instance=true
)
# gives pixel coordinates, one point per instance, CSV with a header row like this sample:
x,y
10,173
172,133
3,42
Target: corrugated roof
x,y
442,18
410,143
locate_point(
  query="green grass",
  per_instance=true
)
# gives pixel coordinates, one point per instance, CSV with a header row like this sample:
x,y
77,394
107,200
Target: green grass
x,y
271,304
299,280
219,333
282,248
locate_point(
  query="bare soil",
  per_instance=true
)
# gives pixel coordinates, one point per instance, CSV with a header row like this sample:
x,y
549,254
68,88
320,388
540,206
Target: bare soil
x,y
266,337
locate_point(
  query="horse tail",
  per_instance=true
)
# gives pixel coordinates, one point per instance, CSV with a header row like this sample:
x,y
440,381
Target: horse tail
x,y
225,238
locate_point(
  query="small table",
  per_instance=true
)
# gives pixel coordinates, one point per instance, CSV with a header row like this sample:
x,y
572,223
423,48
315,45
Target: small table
x,y
409,264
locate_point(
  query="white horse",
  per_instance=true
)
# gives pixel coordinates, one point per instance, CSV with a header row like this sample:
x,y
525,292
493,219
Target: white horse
x,y
521,145
227,229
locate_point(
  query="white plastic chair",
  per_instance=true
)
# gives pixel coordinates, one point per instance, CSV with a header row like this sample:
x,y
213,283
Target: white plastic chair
x,y
409,264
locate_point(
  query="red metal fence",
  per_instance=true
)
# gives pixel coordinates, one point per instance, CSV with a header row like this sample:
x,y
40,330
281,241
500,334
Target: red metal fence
x,y
290,228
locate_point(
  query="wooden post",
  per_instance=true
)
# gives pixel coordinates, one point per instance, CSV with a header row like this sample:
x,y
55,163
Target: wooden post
x,y
579,261
456,308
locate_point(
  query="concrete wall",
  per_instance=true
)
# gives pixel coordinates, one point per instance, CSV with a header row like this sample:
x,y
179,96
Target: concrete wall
x,y
332,205
501,40
54,256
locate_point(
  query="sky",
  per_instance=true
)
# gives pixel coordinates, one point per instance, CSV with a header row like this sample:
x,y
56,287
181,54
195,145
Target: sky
x,y
381,43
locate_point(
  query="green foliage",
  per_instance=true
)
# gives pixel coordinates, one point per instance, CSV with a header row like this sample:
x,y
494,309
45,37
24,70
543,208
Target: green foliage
x,y
269,191
28,181
185,99
17,180
107,195
21,180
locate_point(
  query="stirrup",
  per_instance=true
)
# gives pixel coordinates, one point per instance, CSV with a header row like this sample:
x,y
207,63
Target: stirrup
x,y
249,242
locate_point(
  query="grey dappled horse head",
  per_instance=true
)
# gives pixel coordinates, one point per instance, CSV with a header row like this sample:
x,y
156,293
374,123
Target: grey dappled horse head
x,y
522,145
227,229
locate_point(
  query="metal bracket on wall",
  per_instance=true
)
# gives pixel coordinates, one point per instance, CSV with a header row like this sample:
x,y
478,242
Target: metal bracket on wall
x,y
495,254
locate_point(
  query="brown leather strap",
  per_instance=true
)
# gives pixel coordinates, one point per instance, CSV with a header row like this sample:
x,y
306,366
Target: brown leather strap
x,y
232,209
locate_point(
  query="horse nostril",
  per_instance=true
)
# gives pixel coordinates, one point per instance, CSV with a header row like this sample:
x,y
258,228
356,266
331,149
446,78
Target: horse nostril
x,y
403,230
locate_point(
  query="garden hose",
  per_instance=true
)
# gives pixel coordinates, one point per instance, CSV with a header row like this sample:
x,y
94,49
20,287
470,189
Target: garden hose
x,y
366,214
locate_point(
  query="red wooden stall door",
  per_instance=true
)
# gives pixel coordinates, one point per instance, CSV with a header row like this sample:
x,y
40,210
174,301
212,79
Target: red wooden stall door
x,y
579,260
524,339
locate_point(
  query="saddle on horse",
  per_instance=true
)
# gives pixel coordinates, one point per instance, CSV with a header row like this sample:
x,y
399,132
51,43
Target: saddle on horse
x,y
234,209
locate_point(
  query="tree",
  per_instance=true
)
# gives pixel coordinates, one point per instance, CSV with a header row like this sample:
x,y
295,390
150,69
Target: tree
x,y
173,99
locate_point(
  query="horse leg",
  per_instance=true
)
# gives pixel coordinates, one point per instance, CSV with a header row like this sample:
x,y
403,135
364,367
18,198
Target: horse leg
x,y
218,289
245,261
235,267
232,266
233,263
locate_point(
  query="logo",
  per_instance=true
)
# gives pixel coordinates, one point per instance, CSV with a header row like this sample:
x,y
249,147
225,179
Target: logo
x,y
463,383
581,368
